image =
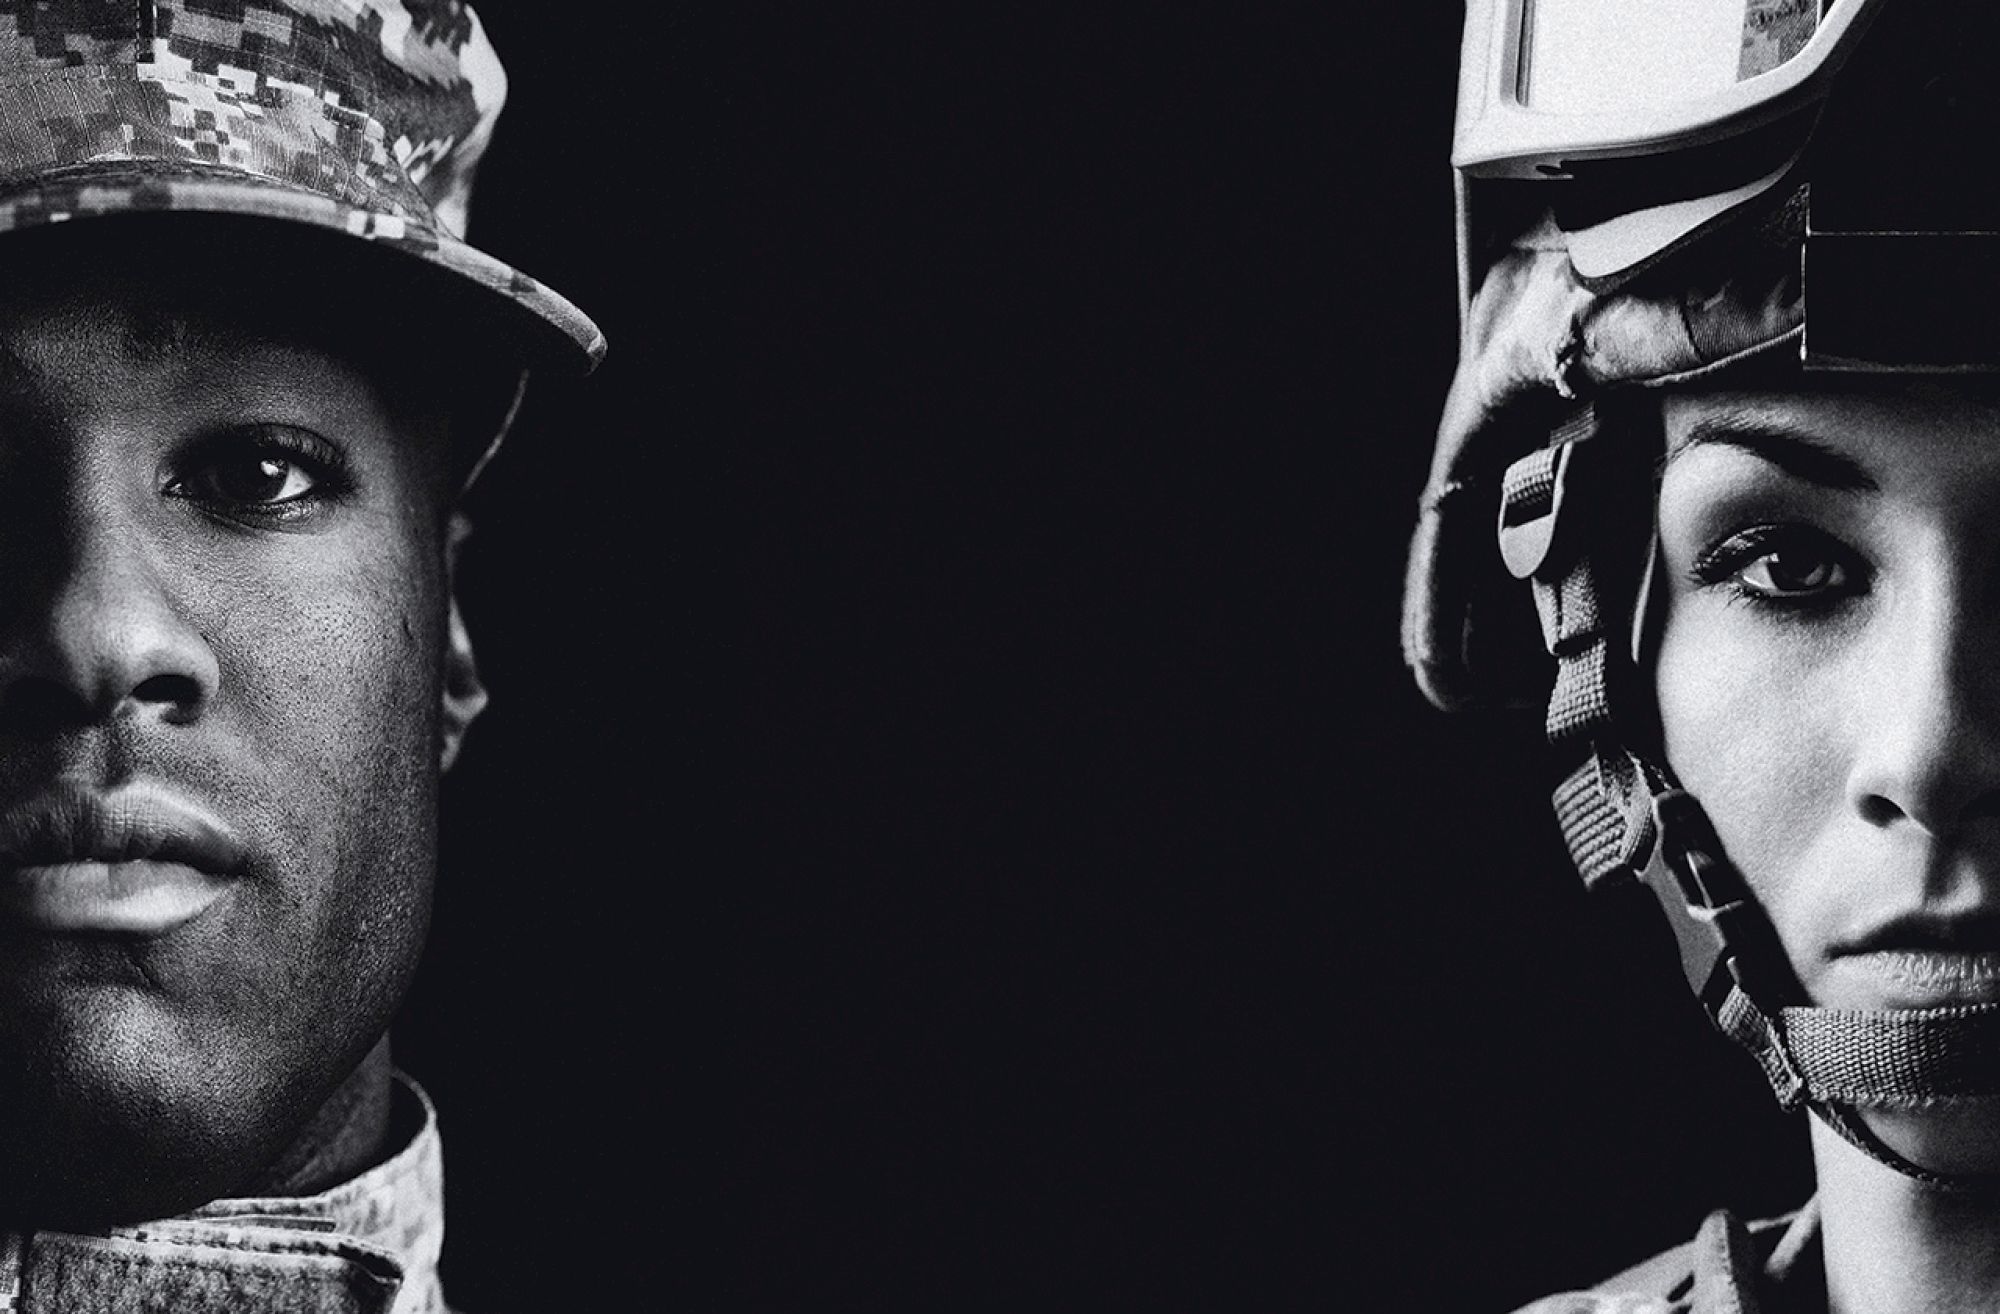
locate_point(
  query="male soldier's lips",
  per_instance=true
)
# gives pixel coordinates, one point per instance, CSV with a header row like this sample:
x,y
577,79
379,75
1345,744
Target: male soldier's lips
x,y
136,859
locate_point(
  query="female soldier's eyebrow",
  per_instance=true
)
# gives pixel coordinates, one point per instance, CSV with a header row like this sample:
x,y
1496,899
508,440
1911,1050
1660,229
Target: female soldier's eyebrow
x,y
1790,449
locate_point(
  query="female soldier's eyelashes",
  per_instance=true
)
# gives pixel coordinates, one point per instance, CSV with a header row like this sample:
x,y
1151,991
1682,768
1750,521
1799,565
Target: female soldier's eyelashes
x,y
1787,565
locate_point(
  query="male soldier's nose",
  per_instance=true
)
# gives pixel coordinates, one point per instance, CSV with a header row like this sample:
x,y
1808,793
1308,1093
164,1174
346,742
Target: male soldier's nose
x,y
102,637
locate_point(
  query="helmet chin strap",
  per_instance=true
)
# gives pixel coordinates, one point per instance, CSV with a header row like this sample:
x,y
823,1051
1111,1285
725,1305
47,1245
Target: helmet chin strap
x,y
1836,1061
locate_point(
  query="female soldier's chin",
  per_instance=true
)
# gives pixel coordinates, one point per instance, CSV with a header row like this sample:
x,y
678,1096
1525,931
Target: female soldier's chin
x,y
1961,1138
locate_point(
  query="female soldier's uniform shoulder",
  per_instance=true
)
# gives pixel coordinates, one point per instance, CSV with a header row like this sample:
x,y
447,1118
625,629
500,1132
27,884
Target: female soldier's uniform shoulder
x,y
1593,1302
1728,1268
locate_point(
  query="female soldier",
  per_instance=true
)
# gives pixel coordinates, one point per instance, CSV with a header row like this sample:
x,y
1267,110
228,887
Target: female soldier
x,y
1726,388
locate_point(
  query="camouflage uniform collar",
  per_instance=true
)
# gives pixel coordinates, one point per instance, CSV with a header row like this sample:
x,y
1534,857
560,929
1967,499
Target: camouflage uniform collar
x,y
1771,1266
366,1246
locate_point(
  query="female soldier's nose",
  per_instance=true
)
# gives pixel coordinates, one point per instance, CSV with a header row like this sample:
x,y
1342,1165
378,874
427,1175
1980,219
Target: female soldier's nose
x,y
1927,725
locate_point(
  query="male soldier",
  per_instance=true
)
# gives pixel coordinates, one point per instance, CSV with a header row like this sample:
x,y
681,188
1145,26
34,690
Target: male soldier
x,y
247,365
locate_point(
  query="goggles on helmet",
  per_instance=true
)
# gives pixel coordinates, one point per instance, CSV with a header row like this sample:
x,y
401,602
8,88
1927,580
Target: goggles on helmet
x,y
1548,86
1642,128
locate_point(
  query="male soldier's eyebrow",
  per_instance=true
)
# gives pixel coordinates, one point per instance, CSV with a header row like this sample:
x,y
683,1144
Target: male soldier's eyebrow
x,y
1792,450
13,365
145,336
20,376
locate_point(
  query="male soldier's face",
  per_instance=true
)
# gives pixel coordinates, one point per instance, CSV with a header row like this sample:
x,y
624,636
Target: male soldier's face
x,y
223,609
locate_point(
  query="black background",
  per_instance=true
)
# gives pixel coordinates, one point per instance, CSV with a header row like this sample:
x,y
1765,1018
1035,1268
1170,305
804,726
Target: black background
x,y
953,830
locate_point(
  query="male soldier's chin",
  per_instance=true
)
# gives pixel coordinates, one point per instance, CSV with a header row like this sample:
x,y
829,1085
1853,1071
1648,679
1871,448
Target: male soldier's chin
x,y
120,1103
1960,1138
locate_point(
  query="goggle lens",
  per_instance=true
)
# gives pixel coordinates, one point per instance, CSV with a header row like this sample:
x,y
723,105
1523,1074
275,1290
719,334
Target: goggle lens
x,y
1590,56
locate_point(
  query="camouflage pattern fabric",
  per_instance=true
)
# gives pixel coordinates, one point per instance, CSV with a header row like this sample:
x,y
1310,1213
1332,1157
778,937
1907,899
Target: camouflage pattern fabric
x,y
1536,334
366,117
1731,1267
1773,32
367,1246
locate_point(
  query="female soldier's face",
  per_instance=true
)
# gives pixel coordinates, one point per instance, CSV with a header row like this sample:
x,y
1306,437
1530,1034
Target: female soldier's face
x,y
1829,685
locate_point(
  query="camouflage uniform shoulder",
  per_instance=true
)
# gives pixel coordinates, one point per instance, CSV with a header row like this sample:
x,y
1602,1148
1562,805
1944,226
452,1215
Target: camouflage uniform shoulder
x,y
1728,1268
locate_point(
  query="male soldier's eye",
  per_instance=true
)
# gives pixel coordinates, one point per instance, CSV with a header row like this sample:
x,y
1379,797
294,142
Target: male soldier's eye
x,y
267,471
259,478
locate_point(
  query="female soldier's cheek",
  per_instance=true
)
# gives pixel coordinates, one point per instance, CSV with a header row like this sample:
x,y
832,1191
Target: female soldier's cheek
x,y
1756,736
1768,725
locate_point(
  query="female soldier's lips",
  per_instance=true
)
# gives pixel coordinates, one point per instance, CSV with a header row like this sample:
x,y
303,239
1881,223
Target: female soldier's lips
x,y
137,859
1921,960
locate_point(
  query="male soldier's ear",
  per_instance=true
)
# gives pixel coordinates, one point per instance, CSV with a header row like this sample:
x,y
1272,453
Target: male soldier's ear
x,y
464,694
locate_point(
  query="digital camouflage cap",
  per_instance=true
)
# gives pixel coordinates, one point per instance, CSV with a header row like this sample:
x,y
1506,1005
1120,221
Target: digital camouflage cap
x,y
361,117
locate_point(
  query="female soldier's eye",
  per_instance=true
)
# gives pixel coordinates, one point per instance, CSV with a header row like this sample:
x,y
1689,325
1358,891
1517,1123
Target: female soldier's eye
x,y
270,472
1781,564
1785,573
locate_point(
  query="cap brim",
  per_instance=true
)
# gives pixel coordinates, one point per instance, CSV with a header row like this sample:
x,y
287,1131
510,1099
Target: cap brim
x,y
549,331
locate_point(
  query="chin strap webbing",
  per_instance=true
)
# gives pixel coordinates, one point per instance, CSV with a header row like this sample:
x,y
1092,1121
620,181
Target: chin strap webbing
x,y
1621,814
1601,804
1896,1058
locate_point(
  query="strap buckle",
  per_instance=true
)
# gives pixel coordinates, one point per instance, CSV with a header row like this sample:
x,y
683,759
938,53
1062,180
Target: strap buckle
x,y
1724,937
1532,493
